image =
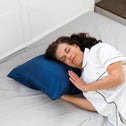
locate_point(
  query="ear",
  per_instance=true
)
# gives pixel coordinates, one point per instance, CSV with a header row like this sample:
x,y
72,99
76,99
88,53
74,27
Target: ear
x,y
75,45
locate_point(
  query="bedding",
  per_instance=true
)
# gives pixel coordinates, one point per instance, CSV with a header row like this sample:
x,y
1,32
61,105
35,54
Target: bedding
x,y
23,106
47,75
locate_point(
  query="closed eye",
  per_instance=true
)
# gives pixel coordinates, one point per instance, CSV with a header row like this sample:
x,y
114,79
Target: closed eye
x,y
63,58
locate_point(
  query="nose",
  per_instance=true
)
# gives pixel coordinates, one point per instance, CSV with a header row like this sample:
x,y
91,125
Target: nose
x,y
68,56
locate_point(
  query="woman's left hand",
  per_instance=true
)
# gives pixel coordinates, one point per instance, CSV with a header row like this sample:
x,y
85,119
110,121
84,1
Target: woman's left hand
x,y
77,81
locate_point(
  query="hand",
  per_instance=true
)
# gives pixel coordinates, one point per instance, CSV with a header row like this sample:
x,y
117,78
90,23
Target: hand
x,y
77,81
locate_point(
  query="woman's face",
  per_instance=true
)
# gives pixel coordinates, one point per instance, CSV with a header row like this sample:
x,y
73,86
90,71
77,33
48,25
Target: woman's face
x,y
70,55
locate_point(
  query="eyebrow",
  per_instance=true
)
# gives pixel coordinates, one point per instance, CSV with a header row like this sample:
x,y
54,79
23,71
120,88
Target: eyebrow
x,y
65,49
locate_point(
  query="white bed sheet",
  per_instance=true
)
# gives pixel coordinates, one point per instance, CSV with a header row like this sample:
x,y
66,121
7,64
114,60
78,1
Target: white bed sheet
x,y
22,106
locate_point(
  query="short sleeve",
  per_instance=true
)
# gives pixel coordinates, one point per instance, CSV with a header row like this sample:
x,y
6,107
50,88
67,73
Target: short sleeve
x,y
107,55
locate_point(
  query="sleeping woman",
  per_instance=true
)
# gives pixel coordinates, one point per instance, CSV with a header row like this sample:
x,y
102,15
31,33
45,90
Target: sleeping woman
x,y
103,74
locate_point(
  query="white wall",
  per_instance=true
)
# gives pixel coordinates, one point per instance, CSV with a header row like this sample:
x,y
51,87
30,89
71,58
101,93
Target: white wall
x,y
23,22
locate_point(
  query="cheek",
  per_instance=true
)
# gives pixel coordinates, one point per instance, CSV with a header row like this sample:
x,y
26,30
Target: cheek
x,y
73,50
79,58
69,63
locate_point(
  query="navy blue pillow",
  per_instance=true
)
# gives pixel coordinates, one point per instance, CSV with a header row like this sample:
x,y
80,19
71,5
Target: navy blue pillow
x,y
47,75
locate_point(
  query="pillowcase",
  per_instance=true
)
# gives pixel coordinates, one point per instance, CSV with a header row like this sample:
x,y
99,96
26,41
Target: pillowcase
x,y
47,75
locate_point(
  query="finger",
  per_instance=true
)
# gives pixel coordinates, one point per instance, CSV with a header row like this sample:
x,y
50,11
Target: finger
x,y
73,75
72,80
74,83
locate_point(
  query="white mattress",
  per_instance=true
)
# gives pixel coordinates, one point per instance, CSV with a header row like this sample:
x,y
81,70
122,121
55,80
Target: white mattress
x,y
22,106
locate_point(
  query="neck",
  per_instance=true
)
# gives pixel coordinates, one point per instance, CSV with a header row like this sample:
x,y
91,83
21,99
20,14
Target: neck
x,y
80,67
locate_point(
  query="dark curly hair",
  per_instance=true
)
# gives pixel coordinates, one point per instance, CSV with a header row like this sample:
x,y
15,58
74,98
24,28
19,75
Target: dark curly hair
x,y
83,40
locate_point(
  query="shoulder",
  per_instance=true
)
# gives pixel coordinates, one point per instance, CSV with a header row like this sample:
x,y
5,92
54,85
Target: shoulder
x,y
101,45
103,48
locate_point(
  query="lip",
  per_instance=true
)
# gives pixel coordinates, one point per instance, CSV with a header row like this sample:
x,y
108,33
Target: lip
x,y
73,58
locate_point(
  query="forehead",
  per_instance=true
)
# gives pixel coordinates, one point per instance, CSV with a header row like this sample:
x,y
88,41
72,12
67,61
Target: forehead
x,y
60,50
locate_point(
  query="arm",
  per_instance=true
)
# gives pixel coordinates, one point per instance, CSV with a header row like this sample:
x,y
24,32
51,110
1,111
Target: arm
x,y
80,102
114,78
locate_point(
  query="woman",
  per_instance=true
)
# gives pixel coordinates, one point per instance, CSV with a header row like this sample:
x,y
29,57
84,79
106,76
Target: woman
x,y
102,80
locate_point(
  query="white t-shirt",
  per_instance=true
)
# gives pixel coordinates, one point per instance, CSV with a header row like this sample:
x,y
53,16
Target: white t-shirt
x,y
95,63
